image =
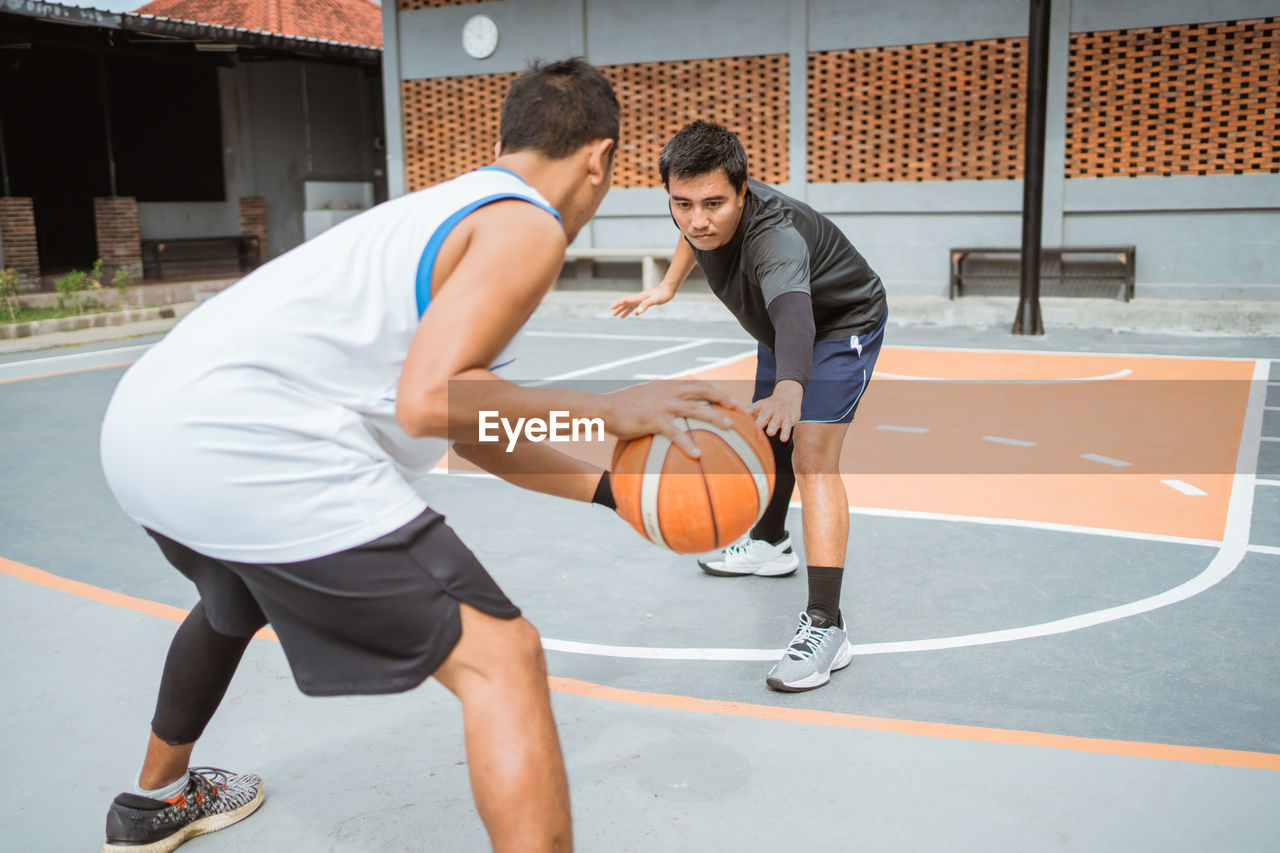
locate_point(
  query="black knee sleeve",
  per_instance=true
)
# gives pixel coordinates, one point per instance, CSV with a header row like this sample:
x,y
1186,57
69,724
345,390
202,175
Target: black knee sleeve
x,y
773,524
197,672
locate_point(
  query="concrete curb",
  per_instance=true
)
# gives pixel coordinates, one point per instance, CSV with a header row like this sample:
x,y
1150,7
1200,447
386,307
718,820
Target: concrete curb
x,y
1176,316
84,321
1168,316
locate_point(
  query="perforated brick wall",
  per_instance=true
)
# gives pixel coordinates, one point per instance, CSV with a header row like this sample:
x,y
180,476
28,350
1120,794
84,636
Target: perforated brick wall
x,y
1197,99
747,94
18,234
119,244
451,123
924,112
431,4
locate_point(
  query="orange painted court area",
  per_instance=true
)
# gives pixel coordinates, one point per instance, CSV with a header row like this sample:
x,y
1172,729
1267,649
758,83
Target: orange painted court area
x,y
1170,418
923,443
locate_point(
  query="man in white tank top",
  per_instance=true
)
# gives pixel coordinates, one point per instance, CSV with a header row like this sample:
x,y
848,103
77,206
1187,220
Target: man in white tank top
x,y
268,442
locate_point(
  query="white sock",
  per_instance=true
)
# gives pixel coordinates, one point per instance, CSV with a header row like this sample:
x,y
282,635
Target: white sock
x,y
168,792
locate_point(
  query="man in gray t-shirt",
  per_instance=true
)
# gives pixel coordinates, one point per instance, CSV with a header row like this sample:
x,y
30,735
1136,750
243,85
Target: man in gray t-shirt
x,y
817,310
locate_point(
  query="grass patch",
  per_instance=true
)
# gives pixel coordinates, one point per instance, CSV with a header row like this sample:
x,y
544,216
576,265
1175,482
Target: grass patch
x,y
25,314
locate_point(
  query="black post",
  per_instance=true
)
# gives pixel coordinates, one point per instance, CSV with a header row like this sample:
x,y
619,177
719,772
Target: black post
x,y
1028,321
106,121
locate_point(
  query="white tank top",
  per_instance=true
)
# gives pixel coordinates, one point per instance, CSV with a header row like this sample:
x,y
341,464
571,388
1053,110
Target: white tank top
x,y
262,428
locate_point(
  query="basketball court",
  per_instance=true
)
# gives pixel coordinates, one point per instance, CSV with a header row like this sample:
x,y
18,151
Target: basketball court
x,y
1063,574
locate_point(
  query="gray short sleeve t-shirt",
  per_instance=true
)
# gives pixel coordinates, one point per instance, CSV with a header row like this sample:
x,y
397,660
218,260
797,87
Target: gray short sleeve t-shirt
x,y
781,246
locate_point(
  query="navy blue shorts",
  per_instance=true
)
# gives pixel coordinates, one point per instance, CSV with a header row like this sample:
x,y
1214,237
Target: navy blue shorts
x,y
841,370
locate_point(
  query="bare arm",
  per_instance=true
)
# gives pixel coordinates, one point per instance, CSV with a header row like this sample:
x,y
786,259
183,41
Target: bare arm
x,y
536,467
496,266
682,263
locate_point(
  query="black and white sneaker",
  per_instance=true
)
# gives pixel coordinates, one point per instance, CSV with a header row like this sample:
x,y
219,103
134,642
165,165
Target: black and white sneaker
x,y
213,799
750,556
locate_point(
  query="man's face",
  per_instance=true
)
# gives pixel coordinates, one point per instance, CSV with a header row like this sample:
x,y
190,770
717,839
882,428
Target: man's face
x,y
706,208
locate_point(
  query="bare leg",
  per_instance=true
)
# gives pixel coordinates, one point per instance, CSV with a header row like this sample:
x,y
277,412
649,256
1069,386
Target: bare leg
x,y
164,763
824,511
518,779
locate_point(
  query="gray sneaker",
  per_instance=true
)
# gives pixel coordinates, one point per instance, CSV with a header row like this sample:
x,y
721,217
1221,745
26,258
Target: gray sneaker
x,y
813,655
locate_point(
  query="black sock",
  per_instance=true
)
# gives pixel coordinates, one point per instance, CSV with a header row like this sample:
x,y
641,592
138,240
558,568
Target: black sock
x,y
824,595
604,493
772,526
196,675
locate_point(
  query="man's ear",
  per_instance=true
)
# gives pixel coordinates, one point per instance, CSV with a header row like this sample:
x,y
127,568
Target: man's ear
x,y
497,149
599,160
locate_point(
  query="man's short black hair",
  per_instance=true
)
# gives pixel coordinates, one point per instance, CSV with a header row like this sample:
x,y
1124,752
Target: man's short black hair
x,y
703,147
556,108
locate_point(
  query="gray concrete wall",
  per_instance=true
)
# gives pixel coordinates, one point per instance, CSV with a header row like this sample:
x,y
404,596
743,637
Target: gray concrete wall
x,y
1202,237
275,139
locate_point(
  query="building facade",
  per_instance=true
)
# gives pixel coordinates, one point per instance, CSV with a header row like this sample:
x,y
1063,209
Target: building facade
x,y
903,121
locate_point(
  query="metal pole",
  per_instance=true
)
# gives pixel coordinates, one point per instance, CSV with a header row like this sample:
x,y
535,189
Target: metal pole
x,y
106,121
1028,321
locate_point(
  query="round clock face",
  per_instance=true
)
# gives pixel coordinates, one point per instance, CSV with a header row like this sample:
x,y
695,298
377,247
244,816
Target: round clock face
x,y
480,36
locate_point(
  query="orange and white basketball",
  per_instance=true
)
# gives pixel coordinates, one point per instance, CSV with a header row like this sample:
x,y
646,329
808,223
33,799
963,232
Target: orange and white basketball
x,y
695,505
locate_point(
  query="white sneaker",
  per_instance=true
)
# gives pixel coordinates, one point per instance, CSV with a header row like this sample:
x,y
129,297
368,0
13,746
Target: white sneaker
x,y
750,556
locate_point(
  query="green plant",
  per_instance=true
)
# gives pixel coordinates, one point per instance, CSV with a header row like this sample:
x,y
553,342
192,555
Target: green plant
x,y
70,284
9,292
94,276
122,281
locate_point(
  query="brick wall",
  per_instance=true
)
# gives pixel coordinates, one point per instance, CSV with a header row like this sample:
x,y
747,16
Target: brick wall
x,y
119,242
1194,99
431,4
253,220
18,234
451,123
921,112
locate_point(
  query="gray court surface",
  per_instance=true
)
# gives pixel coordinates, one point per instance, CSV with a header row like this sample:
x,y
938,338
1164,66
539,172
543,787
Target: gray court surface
x,y
1156,731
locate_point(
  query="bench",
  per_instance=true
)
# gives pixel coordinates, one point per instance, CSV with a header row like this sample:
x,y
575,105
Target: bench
x,y
648,258
243,250
1097,271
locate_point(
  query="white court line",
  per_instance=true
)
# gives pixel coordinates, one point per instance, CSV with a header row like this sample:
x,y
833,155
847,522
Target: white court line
x,y
619,362
48,364
1185,487
606,336
1021,351
1261,482
1271,438
1265,549
80,355
720,362
1232,549
881,374
1016,442
920,515
1105,460
894,428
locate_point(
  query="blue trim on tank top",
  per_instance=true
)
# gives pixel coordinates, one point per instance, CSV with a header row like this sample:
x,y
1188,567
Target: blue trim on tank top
x,y
428,260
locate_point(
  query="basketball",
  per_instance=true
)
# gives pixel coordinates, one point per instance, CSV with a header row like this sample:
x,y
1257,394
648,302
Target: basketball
x,y
695,505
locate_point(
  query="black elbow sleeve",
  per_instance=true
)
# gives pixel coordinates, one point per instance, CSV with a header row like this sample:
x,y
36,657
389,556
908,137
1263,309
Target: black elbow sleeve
x,y
793,332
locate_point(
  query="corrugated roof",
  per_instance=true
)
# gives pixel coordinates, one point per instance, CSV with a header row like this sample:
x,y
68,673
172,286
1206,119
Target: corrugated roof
x,y
357,22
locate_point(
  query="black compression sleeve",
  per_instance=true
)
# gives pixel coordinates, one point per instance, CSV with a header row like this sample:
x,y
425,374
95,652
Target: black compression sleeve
x,y
792,316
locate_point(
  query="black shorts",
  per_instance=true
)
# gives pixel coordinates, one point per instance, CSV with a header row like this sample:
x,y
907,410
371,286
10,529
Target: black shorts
x,y
377,618
839,376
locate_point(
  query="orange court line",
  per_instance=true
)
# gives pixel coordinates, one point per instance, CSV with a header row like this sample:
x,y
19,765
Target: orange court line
x,y
589,690
66,372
